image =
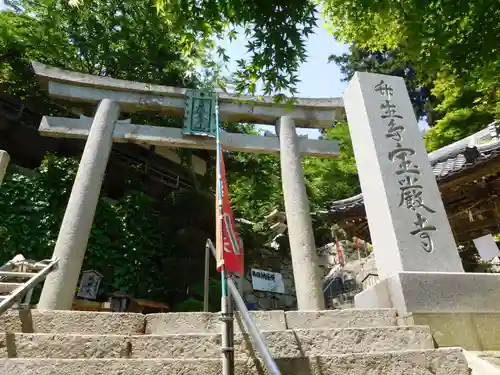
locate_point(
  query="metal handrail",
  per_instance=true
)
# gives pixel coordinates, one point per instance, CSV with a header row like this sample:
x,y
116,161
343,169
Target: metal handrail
x,y
258,339
27,287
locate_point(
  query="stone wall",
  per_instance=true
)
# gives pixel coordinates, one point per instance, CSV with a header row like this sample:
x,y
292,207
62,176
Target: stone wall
x,y
270,260
356,273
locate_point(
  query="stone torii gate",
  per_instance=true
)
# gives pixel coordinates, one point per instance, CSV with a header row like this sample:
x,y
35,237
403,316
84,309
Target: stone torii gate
x,y
115,96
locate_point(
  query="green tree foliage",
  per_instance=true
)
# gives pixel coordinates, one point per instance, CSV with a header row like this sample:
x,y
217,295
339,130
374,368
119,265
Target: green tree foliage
x,y
120,39
456,125
255,184
451,45
137,244
137,248
256,188
437,35
330,179
387,62
450,120
255,179
277,32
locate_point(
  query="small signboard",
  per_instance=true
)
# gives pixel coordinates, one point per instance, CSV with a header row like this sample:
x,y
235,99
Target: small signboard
x,y
267,281
89,284
199,113
486,247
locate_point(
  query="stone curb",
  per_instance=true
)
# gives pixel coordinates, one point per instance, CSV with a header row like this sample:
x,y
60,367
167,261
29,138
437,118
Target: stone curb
x,y
39,321
271,320
436,362
53,321
341,318
288,343
196,322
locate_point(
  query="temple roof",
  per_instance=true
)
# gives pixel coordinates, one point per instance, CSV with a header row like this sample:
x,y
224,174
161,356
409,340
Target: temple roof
x,y
447,163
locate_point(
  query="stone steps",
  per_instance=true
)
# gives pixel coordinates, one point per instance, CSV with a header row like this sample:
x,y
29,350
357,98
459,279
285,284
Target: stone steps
x,y
285,343
35,321
408,362
332,342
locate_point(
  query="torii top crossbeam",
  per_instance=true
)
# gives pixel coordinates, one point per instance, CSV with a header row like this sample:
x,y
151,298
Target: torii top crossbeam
x,y
138,96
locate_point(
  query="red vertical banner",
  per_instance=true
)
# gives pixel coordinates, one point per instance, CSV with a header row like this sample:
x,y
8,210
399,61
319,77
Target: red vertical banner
x,y
357,243
218,229
340,253
228,241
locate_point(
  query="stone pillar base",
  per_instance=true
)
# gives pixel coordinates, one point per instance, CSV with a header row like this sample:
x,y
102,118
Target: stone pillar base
x,y
462,309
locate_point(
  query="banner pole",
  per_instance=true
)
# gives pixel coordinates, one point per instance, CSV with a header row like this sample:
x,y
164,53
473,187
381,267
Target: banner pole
x,y
219,200
226,313
206,282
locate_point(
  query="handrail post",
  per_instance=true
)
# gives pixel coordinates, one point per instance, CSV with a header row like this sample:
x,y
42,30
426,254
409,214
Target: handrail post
x,y
29,285
230,329
206,286
253,331
227,335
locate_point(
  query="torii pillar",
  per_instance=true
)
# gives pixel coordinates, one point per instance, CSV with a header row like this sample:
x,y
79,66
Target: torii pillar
x,y
60,285
298,217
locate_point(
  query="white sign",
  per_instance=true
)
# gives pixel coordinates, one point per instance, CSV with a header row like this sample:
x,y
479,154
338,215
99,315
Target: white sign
x,y
89,284
267,281
486,247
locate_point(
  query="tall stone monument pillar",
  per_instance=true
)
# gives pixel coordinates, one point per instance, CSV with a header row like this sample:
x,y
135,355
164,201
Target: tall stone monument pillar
x,y
415,252
4,162
302,246
408,223
60,285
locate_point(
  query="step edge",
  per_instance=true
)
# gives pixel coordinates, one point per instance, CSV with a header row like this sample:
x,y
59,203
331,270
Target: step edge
x,y
420,328
443,351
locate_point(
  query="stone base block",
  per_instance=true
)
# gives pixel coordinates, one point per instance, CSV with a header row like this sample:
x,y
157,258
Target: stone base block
x,y
471,331
462,309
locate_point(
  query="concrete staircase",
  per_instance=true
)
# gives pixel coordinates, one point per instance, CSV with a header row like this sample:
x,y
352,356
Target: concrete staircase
x,y
333,342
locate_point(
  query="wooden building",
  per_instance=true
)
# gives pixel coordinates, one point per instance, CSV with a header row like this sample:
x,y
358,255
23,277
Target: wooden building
x,y
468,176
162,167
